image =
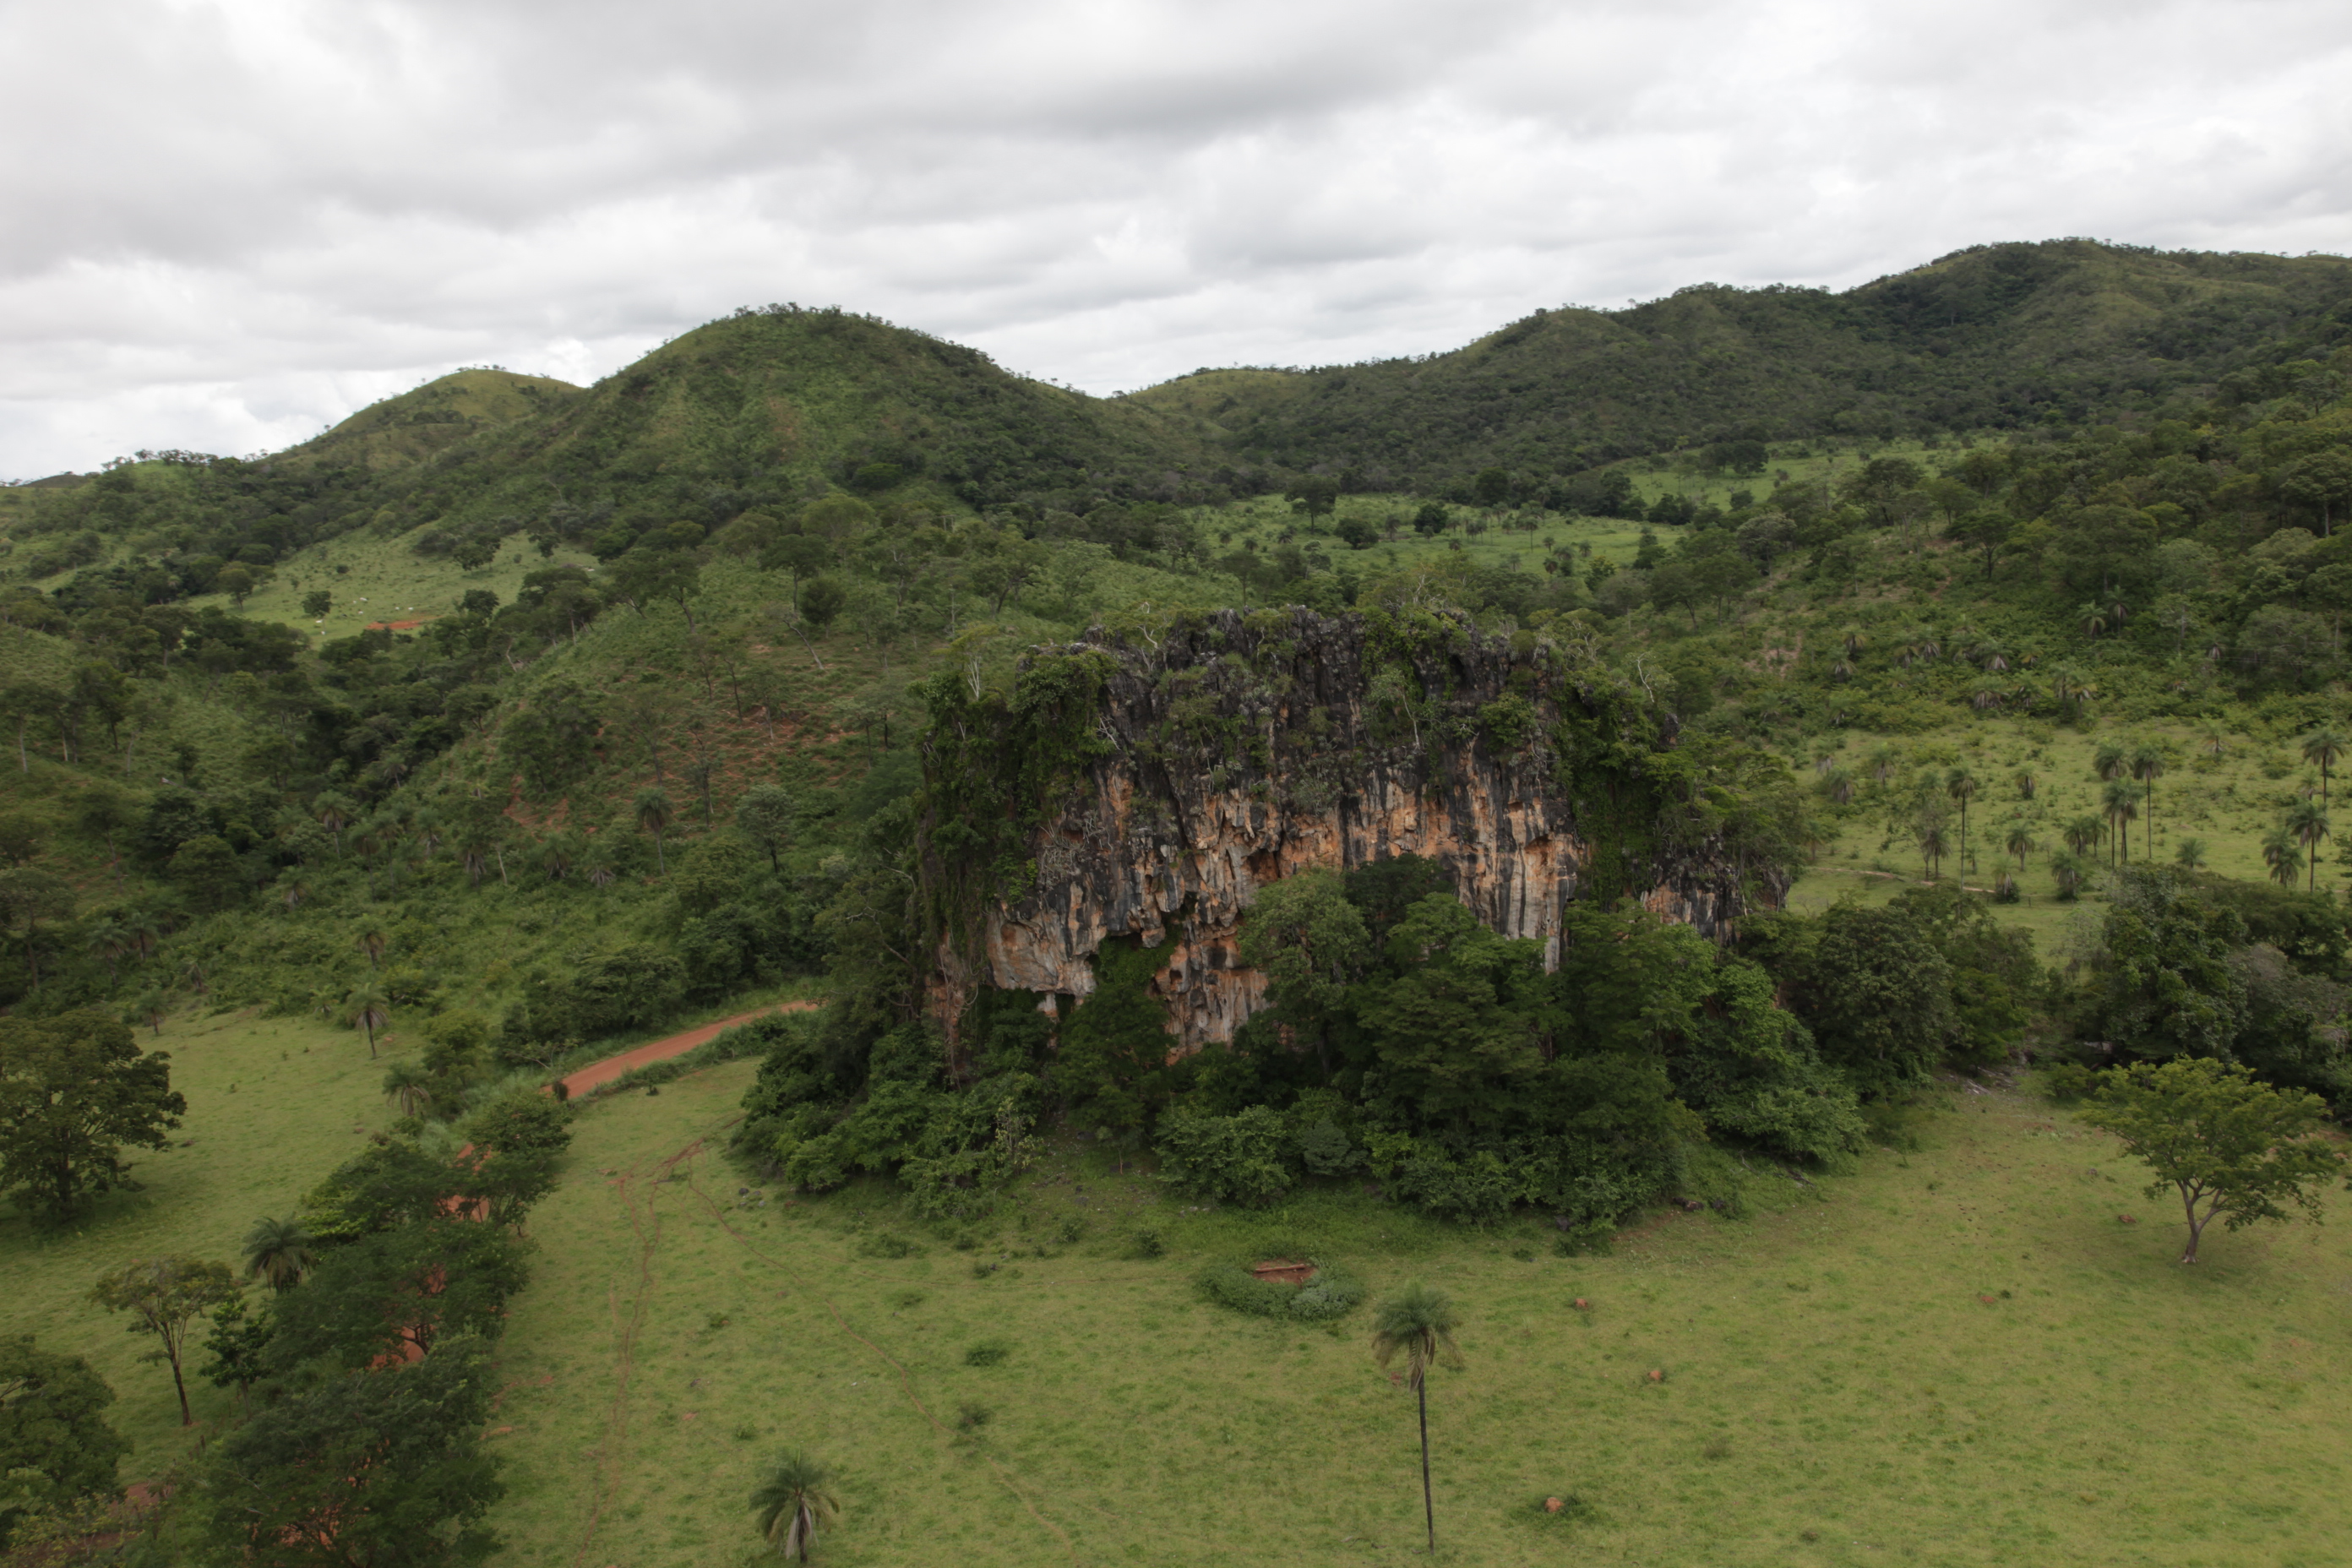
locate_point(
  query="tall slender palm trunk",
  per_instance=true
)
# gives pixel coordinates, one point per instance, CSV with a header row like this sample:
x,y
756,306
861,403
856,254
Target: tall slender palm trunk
x,y
1428,1507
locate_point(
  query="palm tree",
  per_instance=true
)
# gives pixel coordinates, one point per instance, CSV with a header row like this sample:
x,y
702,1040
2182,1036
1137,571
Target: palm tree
x,y
2307,820
2083,834
793,1502
334,813
2214,738
2067,872
2110,761
654,814
1883,762
408,1086
2323,748
1962,784
2018,843
2026,784
1932,847
106,939
372,943
151,1009
2147,766
1418,1324
2280,854
1839,787
370,1010
2122,802
2094,619
294,892
278,1251
2190,855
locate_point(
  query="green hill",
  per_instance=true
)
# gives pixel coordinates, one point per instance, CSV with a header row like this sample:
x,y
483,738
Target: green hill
x,y
403,431
1996,336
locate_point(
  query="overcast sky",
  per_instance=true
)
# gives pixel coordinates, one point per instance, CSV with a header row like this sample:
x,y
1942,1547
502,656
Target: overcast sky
x,y
228,223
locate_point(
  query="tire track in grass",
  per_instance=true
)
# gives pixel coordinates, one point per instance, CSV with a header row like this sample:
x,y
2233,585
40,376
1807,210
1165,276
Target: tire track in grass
x,y
905,1381
645,1227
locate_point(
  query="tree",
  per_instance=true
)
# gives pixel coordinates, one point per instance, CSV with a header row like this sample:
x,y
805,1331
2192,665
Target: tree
x,y
654,814
474,553
1313,497
2170,989
2323,749
370,1010
334,813
766,816
2231,1147
383,1467
408,1086
54,1443
2308,823
2019,841
238,1346
2189,855
1961,785
238,581
163,1296
74,1089
207,870
104,814
2121,803
1311,943
1430,520
821,600
28,896
370,941
2280,854
2148,761
317,602
278,1252
792,1501
1418,1324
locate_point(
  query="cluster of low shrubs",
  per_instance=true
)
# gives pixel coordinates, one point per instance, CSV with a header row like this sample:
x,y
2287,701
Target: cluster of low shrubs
x,y
1326,1295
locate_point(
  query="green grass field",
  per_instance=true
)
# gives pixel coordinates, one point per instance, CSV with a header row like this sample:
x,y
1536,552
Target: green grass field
x,y
2228,802
1957,1355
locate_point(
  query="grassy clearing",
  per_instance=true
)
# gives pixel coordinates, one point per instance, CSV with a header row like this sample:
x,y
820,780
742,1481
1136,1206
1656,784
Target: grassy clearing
x,y
2228,801
1956,1355
378,579
273,1105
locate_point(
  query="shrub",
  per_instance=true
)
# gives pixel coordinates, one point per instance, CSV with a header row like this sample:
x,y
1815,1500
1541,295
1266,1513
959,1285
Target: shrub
x,y
1229,1159
1329,1294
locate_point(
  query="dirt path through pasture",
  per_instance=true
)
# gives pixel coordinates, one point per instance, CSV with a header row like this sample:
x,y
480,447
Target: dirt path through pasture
x,y
588,1078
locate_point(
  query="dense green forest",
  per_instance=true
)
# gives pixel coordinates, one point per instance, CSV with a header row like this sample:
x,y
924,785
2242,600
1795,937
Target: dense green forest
x,y
527,718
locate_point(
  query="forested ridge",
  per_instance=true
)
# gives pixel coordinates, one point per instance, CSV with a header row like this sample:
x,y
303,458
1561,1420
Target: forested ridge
x,y
521,720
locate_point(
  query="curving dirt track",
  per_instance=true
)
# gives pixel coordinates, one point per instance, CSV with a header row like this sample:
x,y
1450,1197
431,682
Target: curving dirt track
x,y
611,1068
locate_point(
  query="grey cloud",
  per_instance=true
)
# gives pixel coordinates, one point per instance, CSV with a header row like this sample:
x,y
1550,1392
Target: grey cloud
x,y
231,222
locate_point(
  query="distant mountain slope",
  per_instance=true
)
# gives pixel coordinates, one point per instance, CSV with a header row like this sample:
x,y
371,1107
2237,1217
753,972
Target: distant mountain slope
x,y
1995,335
404,430
798,398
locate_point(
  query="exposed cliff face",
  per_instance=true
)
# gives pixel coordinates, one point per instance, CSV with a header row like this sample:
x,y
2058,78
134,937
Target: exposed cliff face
x,y
1241,750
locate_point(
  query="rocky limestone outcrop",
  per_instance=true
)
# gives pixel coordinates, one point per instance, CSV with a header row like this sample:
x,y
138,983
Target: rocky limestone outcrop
x,y
1243,749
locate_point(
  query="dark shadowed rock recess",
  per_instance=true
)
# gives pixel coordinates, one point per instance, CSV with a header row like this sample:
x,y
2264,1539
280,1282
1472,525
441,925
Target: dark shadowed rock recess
x,y
1231,750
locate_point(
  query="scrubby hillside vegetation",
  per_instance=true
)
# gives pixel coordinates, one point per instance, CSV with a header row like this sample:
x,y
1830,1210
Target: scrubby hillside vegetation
x,y
1998,606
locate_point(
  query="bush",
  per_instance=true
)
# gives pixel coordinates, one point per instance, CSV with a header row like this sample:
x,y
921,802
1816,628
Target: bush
x,y
1329,1294
1228,1159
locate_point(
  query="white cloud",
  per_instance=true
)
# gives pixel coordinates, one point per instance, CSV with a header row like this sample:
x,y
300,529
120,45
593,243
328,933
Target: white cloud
x,y
233,221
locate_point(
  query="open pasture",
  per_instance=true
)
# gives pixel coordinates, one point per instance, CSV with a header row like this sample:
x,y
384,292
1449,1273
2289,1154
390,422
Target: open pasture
x,y
1957,1355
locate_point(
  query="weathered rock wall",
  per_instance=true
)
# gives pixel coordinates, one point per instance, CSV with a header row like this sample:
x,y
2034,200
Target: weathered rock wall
x,y
1245,749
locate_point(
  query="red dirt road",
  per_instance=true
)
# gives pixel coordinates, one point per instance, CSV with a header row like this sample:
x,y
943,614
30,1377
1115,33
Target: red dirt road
x,y
611,1068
